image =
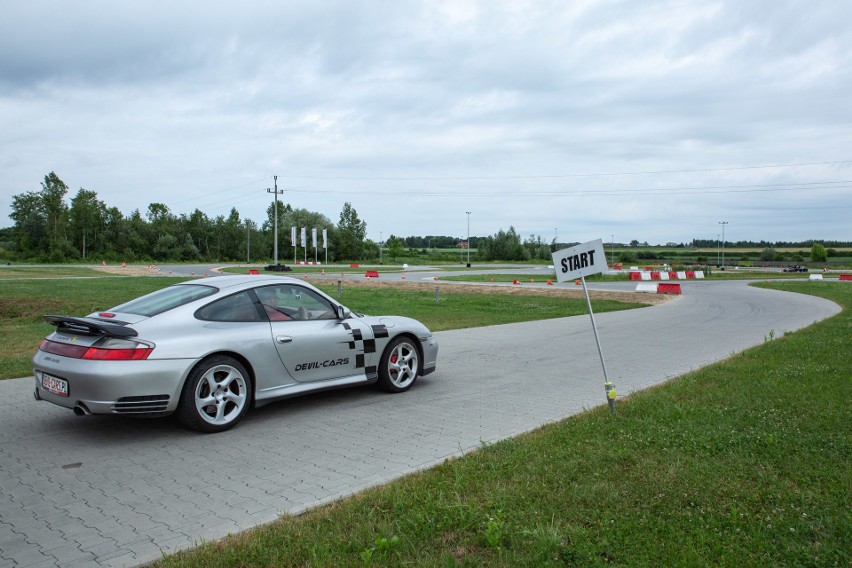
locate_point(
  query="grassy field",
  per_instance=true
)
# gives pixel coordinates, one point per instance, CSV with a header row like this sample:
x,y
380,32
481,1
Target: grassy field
x,y
24,302
15,272
299,270
547,275
743,463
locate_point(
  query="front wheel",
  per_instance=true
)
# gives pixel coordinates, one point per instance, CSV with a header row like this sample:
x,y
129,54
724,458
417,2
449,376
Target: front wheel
x,y
399,365
216,395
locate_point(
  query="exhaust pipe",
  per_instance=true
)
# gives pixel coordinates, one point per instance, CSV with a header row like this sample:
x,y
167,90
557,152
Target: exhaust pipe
x,y
81,410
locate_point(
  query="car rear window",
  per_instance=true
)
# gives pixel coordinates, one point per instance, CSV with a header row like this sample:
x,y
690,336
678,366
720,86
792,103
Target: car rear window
x,y
165,299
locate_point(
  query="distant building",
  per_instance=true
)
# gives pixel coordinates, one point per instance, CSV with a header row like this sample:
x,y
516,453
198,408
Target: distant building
x,y
462,245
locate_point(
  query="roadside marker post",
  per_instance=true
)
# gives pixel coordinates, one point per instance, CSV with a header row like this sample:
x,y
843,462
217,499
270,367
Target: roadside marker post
x,y
575,263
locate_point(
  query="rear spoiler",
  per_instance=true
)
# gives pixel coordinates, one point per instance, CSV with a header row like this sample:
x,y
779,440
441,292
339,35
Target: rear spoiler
x,y
89,326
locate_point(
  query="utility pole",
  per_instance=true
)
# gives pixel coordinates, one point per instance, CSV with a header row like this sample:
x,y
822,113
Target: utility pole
x,y
468,238
275,222
718,237
723,223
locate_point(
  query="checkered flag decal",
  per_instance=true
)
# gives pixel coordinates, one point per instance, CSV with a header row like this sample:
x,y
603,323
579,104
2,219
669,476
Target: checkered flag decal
x,y
363,346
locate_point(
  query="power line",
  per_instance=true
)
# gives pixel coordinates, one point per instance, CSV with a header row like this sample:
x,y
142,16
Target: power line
x,y
216,192
579,175
696,190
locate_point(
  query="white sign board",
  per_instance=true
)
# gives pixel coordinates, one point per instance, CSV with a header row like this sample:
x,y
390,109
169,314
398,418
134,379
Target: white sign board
x,y
581,260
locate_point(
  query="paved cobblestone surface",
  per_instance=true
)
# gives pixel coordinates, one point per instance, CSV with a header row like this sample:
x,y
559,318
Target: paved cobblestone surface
x,y
111,491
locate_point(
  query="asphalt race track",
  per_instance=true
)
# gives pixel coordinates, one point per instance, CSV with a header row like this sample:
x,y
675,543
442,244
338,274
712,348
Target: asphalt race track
x,y
118,492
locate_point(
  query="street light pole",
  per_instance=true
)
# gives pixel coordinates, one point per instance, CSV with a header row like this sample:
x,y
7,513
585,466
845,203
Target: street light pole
x,y
380,247
723,223
468,238
275,219
612,250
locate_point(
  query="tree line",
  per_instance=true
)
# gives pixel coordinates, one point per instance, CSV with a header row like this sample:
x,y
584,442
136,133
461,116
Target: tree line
x,y
48,229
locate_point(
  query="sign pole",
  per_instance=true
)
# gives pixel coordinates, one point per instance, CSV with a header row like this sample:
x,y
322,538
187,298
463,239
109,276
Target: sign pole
x,y
595,328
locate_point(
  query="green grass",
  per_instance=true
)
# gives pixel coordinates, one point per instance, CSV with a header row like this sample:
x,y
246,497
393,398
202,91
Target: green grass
x,y
546,275
25,301
539,278
457,310
46,272
743,463
308,269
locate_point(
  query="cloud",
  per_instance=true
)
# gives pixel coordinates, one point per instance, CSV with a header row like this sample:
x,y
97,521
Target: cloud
x,y
418,111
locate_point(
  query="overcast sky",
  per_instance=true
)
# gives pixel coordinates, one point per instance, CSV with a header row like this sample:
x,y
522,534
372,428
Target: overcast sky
x,y
648,120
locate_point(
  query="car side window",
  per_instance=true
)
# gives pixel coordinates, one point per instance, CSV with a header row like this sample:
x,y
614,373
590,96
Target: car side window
x,y
286,302
237,307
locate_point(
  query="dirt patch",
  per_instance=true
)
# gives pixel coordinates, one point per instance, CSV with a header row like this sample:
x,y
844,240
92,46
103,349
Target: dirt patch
x,y
636,297
128,270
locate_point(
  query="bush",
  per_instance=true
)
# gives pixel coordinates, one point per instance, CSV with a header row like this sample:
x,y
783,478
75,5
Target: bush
x,y
818,253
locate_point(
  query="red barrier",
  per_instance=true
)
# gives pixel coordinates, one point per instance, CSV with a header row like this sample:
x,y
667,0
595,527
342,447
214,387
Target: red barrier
x,y
372,274
635,276
690,274
672,275
846,276
254,271
353,265
655,276
668,289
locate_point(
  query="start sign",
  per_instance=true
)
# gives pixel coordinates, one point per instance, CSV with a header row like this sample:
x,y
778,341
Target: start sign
x,y
578,261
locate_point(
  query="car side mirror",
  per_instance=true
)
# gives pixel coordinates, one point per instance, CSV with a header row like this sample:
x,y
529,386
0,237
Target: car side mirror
x,y
343,313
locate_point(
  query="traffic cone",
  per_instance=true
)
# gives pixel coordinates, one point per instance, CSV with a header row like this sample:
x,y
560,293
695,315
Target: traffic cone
x,y
550,282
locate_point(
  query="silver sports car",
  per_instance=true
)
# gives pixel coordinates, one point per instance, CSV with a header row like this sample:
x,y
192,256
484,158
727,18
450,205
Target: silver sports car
x,y
209,349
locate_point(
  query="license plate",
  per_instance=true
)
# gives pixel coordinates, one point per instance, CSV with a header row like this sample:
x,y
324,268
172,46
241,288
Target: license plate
x,y
53,385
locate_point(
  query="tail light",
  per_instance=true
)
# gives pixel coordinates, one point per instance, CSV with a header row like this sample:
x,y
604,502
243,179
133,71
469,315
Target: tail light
x,y
104,349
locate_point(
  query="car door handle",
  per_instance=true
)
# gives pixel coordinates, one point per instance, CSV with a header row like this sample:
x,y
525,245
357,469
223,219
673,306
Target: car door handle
x,y
283,339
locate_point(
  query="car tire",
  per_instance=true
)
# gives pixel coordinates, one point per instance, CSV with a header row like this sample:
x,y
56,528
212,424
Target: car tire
x,y
217,394
399,365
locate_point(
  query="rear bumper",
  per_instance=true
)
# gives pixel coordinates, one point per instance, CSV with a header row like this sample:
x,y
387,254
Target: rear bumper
x,y
114,387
